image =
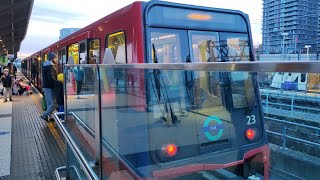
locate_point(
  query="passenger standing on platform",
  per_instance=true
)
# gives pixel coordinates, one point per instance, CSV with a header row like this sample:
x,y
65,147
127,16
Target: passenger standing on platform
x,y
78,71
58,92
49,76
7,83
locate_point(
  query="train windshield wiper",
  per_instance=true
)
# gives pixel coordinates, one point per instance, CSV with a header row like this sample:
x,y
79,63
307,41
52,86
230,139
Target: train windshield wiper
x,y
161,89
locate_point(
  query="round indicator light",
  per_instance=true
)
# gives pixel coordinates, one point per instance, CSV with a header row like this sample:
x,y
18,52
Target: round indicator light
x,y
170,149
250,134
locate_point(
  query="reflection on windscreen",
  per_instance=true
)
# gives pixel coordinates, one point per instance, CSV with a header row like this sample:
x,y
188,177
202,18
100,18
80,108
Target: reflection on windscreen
x,y
242,89
167,46
219,47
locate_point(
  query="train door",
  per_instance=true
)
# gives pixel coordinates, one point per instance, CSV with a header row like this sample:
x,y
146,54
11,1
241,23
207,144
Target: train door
x,y
83,52
94,51
83,59
210,92
62,58
168,98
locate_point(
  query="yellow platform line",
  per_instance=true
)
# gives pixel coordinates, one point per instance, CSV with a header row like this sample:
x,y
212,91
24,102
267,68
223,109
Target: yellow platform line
x,y
51,127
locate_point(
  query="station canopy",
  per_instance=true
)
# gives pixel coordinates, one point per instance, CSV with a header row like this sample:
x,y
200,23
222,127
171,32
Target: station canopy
x,y
14,20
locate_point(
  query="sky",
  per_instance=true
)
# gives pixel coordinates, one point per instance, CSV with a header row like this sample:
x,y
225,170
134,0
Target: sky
x,y
49,16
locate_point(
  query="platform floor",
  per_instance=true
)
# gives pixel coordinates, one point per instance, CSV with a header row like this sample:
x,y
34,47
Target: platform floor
x,y
37,147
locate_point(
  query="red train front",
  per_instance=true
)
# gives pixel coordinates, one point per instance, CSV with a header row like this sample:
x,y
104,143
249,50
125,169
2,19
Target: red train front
x,y
170,123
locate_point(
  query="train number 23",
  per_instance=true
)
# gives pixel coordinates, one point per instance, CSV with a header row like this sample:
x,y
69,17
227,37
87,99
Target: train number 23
x,y
251,119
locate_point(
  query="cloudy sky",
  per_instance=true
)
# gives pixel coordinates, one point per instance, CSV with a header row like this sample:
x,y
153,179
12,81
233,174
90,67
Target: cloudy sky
x,y
49,16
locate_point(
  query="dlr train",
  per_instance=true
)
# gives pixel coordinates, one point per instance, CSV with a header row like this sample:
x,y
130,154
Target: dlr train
x,y
165,124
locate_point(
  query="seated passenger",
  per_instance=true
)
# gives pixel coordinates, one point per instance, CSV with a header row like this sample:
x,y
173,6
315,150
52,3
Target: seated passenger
x,y
23,87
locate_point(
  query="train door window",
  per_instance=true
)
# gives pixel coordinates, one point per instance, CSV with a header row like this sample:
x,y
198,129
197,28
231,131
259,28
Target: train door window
x,y
303,77
234,47
73,53
117,43
94,51
204,46
83,52
62,58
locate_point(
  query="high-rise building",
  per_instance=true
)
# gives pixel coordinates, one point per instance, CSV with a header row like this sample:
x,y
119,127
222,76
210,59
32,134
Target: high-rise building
x,y
290,25
64,32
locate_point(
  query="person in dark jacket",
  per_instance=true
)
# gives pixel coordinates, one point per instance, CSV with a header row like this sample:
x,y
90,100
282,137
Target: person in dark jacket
x,y
7,83
49,76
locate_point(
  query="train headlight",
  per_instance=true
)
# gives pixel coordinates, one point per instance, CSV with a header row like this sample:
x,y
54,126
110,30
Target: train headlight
x,y
250,134
170,150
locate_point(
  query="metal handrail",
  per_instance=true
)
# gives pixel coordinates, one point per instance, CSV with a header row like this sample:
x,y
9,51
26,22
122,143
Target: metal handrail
x,y
65,168
85,126
103,141
292,123
56,172
295,106
293,138
78,154
284,132
252,66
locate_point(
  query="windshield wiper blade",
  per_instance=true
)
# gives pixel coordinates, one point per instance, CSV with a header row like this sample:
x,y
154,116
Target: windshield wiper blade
x,y
163,89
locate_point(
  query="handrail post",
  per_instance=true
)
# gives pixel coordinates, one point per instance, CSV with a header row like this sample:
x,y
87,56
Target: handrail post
x,y
284,137
267,107
292,100
98,152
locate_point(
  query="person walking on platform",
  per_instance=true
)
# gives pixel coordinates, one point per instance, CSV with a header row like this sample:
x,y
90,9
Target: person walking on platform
x,y
49,76
7,83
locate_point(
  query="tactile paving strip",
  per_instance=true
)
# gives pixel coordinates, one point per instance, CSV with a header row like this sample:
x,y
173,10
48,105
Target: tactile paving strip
x,y
35,151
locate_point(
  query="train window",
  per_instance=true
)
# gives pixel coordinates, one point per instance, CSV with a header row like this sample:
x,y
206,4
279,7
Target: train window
x,y
167,47
73,53
234,47
204,46
94,51
117,44
242,89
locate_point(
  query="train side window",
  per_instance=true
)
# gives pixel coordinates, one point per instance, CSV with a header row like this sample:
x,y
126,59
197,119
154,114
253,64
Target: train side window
x,y
117,43
94,51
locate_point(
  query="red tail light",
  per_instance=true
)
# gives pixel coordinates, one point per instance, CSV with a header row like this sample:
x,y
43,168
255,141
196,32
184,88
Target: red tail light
x,y
250,134
170,150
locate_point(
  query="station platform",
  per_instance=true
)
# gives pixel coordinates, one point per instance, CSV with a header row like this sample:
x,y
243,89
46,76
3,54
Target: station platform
x,y
30,147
